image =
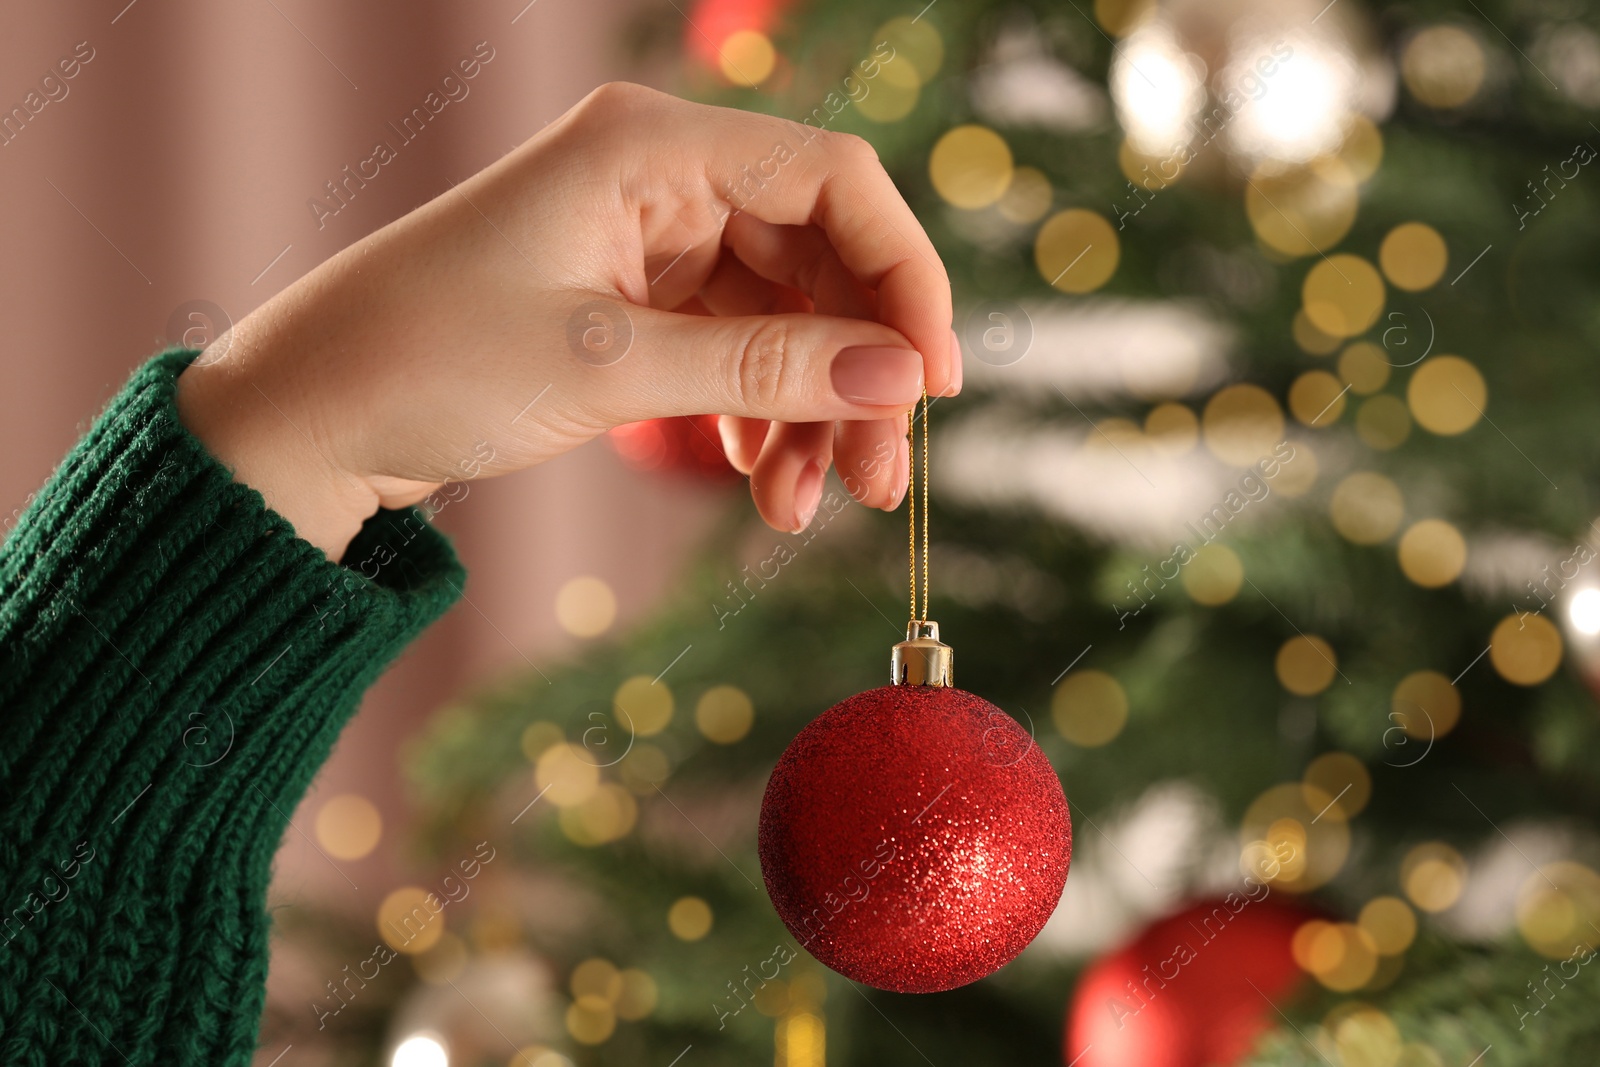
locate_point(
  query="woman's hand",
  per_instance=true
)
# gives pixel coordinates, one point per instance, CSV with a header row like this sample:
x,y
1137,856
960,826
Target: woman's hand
x,y
641,257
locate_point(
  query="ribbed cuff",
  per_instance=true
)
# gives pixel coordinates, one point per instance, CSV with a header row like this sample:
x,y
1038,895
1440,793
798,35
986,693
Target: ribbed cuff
x,y
176,666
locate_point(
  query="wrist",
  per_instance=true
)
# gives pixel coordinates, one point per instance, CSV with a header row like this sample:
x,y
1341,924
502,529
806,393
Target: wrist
x,y
253,413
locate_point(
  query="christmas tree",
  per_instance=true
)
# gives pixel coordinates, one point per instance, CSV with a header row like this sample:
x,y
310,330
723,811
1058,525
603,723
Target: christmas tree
x,y
1265,510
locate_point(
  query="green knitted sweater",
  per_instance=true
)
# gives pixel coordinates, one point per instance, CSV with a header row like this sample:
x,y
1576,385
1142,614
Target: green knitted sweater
x,y
175,664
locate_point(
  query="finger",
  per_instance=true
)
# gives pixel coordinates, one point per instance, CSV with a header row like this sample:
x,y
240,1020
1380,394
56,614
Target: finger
x,y
786,483
837,182
787,368
868,459
955,364
779,171
801,257
734,289
677,273
742,440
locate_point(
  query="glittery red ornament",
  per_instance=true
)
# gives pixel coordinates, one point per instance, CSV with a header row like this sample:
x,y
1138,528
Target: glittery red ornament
x,y
914,838
1192,990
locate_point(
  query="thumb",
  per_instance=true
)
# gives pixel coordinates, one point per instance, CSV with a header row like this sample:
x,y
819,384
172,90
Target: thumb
x,y
787,368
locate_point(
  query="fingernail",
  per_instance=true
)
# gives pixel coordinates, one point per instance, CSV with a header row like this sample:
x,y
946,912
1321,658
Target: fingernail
x,y
807,495
877,374
955,365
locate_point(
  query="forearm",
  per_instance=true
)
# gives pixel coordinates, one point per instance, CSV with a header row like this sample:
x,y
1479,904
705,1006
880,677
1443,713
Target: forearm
x,y
175,664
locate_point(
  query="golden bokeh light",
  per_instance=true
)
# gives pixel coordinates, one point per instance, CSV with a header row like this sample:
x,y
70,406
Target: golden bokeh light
x,y
1076,251
1114,434
1558,909
1302,210
1367,1037
1307,948
1357,957
1317,399
800,1039
1391,924
348,827
538,736
607,815
1120,17
566,775
411,919
747,57
724,714
1214,575
1433,553
1443,66
1383,422
537,1056
596,978
914,40
1344,778
444,962
1090,708
689,918
1364,367
591,1021
1147,172
1425,705
1028,198
1172,428
638,996
1413,256
643,705
1366,508
892,95
1343,295
970,167
1242,423
1433,876
1525,649
1447,395
1294,837
1311,340
1296,476
586,607
644,768
1362,148
1305,665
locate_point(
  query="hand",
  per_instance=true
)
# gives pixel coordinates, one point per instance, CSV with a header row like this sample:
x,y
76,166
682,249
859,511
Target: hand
x,y
766,271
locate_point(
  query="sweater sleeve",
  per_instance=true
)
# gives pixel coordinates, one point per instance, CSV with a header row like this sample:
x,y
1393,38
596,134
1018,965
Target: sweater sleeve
x,y
175,665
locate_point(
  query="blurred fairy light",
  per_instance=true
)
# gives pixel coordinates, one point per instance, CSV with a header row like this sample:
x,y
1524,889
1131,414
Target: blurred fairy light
x,y
1584,612
420,1050
1157,88
1294,96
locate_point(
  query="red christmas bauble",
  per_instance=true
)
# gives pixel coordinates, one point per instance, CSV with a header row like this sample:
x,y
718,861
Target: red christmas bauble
x,y
1192,990
914,838
688,444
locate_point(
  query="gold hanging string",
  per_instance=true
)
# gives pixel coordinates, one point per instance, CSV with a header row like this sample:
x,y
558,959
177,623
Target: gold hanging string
x,y
911,496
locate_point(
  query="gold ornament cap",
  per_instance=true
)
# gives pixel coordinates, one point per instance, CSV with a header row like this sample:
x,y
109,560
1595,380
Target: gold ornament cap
x,y
922,659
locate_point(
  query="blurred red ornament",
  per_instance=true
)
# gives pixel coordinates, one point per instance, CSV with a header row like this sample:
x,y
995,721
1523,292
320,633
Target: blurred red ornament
x,y
914,838
688,444
1192,990
711,22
